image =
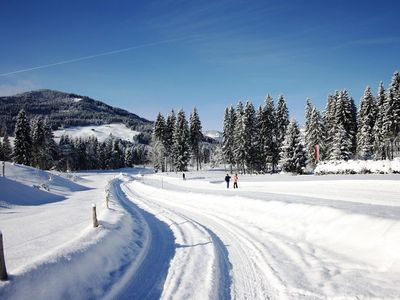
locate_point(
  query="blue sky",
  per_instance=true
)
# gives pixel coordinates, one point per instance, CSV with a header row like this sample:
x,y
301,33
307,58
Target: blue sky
x,y
153,56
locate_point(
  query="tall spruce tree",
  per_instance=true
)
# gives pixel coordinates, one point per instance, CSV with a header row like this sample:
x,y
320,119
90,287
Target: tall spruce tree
x,y
269,133
228,142
249,136
314,133
259,155
196,136
23,142
293,156
38,143
158,143
391,116
282,120
329,123
180,146
344,128
240,139
366,123
6,148
168,135
379,146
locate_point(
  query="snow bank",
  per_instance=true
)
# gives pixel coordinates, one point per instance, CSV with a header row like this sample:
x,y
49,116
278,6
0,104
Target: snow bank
x,y
358,167
87,264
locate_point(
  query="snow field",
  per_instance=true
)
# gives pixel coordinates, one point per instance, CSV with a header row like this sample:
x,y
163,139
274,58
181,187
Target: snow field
x,y
53,252
102,132
285,246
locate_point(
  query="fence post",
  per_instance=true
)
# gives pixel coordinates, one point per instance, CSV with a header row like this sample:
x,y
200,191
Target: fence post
x,y
107,199
95,222
3,270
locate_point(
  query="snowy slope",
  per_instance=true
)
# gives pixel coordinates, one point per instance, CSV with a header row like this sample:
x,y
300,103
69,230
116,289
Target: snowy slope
x,y
276,237
51,249
118,130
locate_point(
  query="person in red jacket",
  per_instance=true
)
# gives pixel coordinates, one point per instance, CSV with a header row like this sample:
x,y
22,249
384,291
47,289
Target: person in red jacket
x,y
235,181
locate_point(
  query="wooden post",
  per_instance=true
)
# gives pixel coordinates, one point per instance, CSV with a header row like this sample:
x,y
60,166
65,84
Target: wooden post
x,y
95,222
3,270
107,199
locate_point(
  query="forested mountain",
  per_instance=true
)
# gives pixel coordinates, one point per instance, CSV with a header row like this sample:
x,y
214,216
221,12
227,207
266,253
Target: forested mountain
x,y
66,109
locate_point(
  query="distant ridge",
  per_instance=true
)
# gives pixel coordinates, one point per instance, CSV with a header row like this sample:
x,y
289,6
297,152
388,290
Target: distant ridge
x,y
66,109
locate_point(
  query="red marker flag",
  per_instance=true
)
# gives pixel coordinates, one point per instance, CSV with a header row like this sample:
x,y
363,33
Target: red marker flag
x,y
316,153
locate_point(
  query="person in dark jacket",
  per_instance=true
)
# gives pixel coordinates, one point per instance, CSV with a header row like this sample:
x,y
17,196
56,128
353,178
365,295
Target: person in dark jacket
x,y
227,179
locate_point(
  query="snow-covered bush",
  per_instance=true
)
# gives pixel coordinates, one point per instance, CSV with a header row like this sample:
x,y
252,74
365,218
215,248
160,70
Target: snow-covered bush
x,y
358,167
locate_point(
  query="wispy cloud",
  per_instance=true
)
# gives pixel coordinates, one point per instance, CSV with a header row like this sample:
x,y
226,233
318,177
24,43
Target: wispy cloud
x,y
82,58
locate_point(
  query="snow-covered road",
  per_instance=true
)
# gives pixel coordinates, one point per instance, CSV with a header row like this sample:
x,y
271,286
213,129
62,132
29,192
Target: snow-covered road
x,y
254,244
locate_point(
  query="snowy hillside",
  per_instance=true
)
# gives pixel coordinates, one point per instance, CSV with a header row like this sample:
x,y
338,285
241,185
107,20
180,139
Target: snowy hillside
x,y
276,237
100,131
214,134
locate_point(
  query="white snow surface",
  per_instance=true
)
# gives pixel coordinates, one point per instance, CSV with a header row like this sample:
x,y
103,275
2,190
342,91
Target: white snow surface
x,y
276,237
102,132
214,134
358,167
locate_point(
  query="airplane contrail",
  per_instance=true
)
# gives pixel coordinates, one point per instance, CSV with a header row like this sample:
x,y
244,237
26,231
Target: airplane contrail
x,y
94,56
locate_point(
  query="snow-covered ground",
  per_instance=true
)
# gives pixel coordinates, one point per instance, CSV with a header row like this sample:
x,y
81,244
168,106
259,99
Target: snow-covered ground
x,y
102,132
276,237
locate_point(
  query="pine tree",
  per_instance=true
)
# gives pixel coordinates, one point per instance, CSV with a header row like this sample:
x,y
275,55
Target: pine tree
x,y
228,143
196,135
168,135
159,138
38,143
6,148
366,123
314,133
391,116
329,123
282,120
341,146
379,148
240,139
269,133
249,136
92,147
293,156
67,154
181,138
259,155
345,119
128,158
22,143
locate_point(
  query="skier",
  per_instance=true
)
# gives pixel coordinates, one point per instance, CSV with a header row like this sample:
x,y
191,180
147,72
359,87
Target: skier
x,y
235,181
227,179
183,176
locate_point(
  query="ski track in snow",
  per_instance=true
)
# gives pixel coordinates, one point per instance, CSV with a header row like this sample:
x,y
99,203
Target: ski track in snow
x,y
201,268
145,277
255,262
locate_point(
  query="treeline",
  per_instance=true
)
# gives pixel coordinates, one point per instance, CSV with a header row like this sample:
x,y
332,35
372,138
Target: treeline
x,y
34,145
259,141
175,142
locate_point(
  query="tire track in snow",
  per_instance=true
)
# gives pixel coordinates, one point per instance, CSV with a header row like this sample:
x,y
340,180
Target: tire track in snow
x,y
144,279
249,280
221,277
